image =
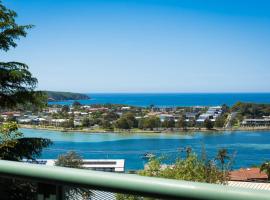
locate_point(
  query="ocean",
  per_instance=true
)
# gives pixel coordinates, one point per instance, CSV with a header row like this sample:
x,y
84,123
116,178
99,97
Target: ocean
x,y
172,99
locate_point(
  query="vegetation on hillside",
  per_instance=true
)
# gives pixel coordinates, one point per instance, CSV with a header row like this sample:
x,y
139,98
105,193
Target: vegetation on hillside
x,y
251,110
63,96
189,168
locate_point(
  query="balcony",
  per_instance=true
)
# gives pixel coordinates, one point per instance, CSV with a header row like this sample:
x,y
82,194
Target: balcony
x,y
52,182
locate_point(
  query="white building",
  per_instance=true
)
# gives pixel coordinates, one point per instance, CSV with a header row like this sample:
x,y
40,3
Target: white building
x,y
212,113
107,165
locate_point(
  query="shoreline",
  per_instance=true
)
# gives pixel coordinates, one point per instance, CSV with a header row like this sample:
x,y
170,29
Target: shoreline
x,y
168,131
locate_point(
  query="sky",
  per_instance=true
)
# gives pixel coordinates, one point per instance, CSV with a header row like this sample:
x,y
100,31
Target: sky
x,y
145,45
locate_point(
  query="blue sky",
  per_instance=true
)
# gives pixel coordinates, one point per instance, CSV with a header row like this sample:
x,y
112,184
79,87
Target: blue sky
x,y
146,45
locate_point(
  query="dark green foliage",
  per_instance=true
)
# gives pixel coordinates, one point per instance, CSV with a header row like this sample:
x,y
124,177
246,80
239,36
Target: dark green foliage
x,y
16,83
220,121
222,156
17,86
208,124
9,29
62,96
122,123
251,110
168,123
70,159
127,121
110,116
28,148
69,123
107,125
76,104
190,168
14,147
265,167
65,109
149,123
192,123
17,189
73,160
225,108
182,122
16,90
86,122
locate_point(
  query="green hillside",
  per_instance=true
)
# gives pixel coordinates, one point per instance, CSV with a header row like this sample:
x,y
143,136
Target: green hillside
x,y
64,96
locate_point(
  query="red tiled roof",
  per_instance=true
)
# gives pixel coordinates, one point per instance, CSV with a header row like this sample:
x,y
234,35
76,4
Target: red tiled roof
x,y
247,175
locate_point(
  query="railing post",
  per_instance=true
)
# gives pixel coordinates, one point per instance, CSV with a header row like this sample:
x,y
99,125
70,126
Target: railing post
x,y
49,192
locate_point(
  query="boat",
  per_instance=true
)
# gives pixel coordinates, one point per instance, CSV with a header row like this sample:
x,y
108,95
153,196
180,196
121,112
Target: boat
x,y
148,156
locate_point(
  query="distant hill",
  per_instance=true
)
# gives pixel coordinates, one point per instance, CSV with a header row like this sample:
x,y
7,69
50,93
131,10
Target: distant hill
x,y
64,96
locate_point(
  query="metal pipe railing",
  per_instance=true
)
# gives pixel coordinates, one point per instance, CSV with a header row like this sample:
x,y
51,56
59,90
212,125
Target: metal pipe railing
x,y
126,183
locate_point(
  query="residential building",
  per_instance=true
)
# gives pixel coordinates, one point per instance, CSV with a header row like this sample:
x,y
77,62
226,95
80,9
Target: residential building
x,y
248,175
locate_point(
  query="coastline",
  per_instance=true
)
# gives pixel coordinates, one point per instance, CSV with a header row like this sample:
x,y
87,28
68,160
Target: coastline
x,y
169,131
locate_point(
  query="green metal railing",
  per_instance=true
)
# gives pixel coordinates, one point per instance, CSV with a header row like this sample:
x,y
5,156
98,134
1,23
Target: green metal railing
x,y
126,183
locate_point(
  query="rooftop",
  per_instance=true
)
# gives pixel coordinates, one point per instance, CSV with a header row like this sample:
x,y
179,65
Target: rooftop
x,y
249,174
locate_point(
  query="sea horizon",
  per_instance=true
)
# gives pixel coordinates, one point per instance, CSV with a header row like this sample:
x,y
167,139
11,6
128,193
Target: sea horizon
x,y
171,99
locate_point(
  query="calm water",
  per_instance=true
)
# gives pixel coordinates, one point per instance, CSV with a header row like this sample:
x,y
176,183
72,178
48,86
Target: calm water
x,y
250,147
174,99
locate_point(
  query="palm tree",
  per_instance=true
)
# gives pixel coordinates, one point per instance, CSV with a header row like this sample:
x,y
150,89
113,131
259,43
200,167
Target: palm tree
x,y
188,151
265,167
222,156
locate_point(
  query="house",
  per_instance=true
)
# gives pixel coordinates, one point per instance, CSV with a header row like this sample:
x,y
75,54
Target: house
x,y
212,113
191,115
77,122
54,110
57,122
125,108
203,117
256,122
248,175
164,117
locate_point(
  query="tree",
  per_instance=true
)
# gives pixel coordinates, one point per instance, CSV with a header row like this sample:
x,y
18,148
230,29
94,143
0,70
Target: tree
x,y
16,82
225,108
182,123
70,159
69,123
110,116
65,109
168,123
1,119
106,124
150,123
76,104
122,123
86,122
208,124
133,123
16,88
220,121
127,121
192,123
73,160
222,156
14,147
190,168
265,167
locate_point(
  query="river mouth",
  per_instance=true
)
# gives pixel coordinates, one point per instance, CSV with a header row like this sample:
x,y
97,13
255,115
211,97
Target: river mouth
x,y
249,147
